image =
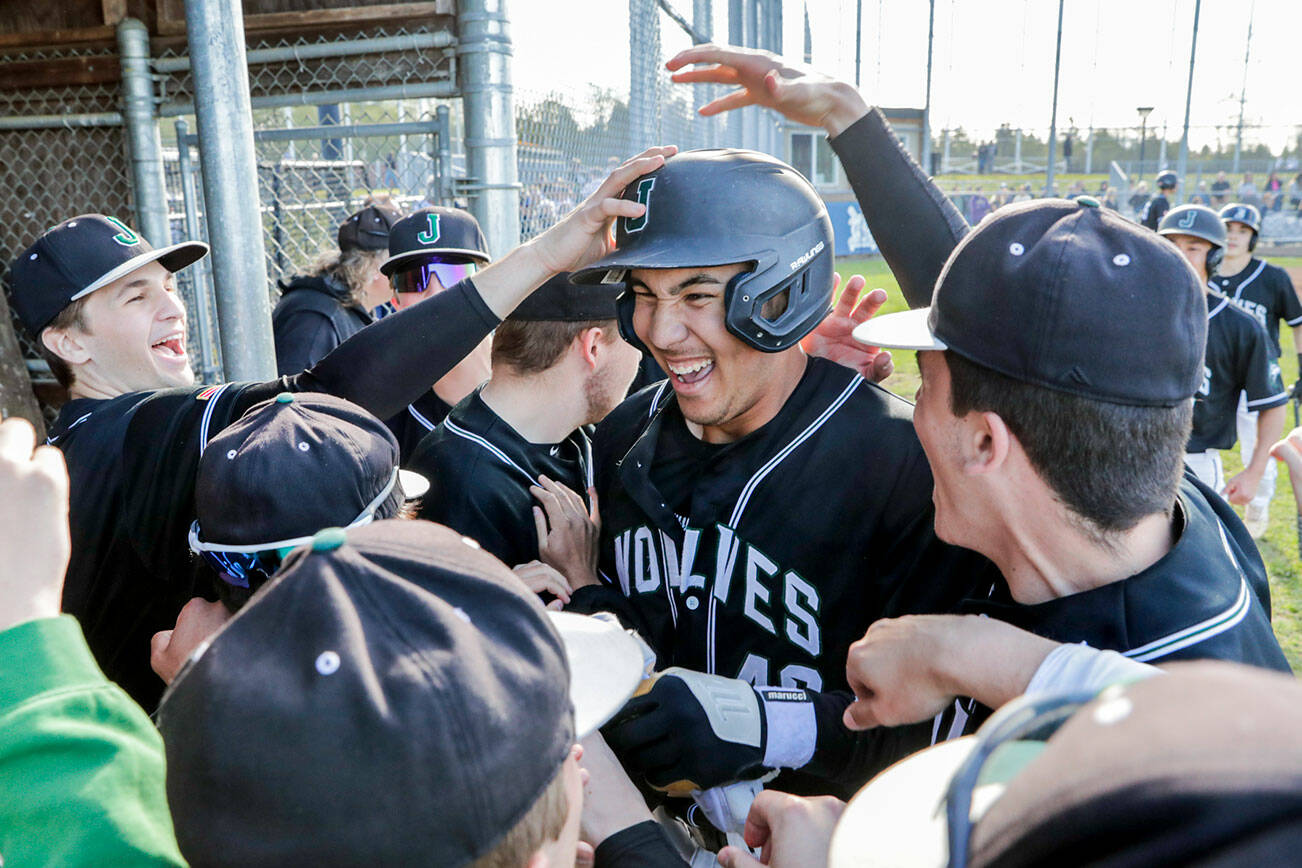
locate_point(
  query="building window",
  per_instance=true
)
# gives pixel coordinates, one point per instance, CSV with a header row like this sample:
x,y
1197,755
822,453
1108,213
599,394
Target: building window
x,y
812,156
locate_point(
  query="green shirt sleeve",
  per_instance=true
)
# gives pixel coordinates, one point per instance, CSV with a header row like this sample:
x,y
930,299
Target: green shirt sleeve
x,y
81,768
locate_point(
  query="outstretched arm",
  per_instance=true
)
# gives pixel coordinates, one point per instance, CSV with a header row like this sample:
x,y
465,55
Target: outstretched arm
x,y
914,224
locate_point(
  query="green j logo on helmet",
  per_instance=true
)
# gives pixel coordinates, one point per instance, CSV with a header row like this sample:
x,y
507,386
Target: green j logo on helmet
x,y
637,224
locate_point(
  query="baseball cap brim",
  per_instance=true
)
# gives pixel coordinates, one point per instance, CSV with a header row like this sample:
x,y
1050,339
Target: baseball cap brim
x,y
606,666
394,262
173,258
899,818
908,330
413,484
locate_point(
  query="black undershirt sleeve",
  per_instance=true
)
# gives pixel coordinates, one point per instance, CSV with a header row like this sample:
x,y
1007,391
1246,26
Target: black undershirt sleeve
x,y
391,363
645,845
913,222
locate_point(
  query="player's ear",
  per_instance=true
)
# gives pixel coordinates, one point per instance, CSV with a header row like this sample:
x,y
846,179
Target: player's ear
x,y
988,442
66,344
588,343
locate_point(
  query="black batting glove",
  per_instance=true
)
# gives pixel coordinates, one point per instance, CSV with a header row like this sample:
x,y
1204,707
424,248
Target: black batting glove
x,y
693,731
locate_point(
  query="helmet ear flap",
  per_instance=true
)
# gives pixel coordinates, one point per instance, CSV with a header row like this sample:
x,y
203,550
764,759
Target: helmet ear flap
x,y
624,306
1252,242
1214,257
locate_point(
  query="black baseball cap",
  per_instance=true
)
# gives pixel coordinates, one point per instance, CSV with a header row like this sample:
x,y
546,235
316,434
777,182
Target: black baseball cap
x,y
369,228
1198,766
286,469
449,234
394,696
79,256
562,300
1069,296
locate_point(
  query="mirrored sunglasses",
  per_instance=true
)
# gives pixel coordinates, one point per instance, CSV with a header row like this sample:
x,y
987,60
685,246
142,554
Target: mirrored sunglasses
x,y
431,275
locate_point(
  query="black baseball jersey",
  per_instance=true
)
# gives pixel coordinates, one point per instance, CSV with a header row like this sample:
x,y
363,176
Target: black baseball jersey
x,y
765,558
1154,211
313,316
1266,293
132,461
480,470
1238,360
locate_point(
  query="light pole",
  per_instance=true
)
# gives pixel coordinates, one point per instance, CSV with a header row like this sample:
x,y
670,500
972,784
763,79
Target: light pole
x,y
1144,111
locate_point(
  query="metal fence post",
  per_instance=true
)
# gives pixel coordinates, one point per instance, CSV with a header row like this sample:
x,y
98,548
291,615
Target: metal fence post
x,y
443,141
215,32
200,279
643,73
150,191
484,53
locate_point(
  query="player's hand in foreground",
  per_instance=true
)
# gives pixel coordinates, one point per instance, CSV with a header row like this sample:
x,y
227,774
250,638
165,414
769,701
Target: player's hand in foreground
x,y
791,831
611,803
1289,450
542,579
793,90
906,670
833,339
586,233
1242,488
568,533
196,623
33,525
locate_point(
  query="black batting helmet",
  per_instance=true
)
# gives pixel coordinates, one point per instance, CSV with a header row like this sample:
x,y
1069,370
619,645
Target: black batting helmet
x,y
723,206
1248,215
1167,180
1200,222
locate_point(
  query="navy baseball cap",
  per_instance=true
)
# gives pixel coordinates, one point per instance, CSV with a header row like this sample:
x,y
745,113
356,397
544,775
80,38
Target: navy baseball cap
x,y
449,234
562,300
394,696
369,228
1069,296
286,469
79,256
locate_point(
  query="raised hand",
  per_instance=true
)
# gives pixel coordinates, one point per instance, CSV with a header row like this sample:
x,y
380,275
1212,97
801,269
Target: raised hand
x,y
568,532
33,525
833,339
794,91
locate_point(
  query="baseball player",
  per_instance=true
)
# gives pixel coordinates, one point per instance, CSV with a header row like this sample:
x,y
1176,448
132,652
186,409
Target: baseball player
x,y
1238,361
104,307
559,366
1267,294
760,507
1112,547
1155,209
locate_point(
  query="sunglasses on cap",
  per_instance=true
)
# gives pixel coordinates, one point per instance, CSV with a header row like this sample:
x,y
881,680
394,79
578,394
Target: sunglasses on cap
x,y
236,564
423,276
1028,719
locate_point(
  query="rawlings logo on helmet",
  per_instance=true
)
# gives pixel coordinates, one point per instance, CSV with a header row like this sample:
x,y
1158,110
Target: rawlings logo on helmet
x,y
808,255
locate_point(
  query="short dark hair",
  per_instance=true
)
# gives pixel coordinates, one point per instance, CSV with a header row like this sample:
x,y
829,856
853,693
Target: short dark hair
x,y
531,346
72,316
1110,464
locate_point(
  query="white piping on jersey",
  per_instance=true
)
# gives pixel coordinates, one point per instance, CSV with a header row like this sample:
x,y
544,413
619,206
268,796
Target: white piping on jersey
x,y
416,414
744,498
1238,290
454,428
1260,401
1214,311
49,441
1203,630
655,399
207,416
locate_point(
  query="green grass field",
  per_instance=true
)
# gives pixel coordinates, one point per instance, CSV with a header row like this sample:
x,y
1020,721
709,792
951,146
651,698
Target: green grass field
x,y
1279,547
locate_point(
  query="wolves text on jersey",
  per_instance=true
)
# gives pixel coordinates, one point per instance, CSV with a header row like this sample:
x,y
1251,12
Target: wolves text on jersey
x,y
738,575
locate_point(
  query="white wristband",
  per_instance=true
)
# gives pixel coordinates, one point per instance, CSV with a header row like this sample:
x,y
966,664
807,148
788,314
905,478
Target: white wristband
x,y
1080,667
792,728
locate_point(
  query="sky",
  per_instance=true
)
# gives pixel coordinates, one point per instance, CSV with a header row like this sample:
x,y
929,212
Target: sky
x,y
993,60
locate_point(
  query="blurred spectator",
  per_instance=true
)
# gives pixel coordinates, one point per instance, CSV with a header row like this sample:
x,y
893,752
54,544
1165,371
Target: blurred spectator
x,y
1202,197
978,206
1274,197
1024,194
1248,191
1220,190
1295,195
1139,198
1109,197
1076,189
